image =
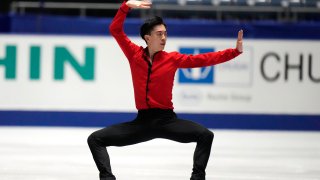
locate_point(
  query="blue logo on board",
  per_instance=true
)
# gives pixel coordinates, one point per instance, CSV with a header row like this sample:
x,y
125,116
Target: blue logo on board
x,y
203,75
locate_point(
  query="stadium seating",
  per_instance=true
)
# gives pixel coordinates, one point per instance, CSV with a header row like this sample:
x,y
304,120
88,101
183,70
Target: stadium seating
x,y
312,3
222,2
164,2
208,9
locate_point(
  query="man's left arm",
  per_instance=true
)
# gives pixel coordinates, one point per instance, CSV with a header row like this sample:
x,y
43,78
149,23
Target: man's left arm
x,y
211,58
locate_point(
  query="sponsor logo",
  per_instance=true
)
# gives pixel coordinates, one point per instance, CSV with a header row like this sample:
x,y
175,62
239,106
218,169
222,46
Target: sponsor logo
x,y
203,75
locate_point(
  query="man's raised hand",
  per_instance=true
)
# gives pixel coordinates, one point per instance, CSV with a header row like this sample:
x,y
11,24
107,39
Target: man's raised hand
x,y
139,4
239,41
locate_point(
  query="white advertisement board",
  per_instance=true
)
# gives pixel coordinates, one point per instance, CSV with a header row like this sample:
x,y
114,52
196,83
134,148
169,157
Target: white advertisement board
x,y
81,73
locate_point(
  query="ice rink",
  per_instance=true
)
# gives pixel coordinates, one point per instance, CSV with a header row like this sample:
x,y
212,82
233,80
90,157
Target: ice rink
x,y
51,153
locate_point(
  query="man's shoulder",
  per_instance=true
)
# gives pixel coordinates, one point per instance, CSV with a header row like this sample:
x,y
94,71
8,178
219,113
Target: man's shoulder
x,y
170,56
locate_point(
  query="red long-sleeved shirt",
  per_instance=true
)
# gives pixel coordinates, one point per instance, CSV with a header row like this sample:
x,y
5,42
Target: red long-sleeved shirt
x,y
153,83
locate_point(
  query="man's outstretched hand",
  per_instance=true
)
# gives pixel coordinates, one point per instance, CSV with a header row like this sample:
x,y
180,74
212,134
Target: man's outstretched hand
x,y
139,4
239,41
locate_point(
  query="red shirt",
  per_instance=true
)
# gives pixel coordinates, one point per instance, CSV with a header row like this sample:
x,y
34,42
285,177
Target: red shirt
x,y
153,83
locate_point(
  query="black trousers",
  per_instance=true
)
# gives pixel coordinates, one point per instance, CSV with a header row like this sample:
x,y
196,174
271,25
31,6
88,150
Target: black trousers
x,y
150,124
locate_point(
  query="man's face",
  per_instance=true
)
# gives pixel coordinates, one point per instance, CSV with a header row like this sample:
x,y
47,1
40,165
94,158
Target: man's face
x,y
156,41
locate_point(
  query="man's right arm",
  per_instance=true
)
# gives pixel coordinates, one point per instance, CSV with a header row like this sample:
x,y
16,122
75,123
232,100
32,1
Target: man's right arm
x,y
116,30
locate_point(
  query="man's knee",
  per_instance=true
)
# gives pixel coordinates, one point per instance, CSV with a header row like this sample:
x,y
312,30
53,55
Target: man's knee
x,y
210,134
92,139
207,135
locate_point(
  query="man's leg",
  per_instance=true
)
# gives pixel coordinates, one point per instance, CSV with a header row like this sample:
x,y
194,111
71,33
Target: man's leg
x,y
187,131
116,135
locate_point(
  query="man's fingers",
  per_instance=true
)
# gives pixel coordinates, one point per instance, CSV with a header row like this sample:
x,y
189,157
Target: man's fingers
x,y
147,3
240,35
145,6
139,4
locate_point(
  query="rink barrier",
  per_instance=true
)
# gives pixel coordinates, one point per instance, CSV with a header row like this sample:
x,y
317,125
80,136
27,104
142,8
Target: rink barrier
x,y
214,121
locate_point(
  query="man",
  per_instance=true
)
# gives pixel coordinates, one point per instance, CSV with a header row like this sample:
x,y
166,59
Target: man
x,y
153,72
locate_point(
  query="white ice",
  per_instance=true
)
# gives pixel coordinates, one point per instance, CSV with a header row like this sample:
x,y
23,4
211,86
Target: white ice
x,y
52,153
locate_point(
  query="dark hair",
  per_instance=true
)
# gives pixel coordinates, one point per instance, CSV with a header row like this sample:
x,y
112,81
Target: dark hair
x,y
149,24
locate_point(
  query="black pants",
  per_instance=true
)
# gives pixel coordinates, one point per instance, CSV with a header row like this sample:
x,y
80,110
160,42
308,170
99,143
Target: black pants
x,y
150,124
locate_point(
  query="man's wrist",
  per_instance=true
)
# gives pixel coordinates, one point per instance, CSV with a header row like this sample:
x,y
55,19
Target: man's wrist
x,y
124,7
